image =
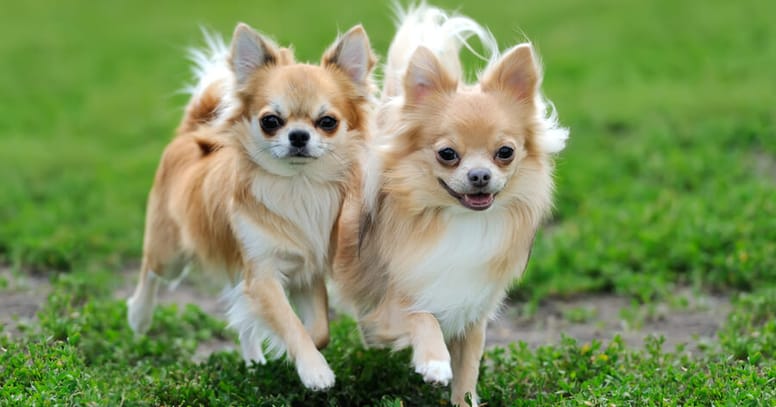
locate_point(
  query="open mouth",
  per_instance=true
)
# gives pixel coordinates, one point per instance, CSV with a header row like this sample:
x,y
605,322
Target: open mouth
x,y
476,202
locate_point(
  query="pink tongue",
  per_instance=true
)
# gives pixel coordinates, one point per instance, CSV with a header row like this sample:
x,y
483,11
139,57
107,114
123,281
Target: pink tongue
x,y
479,199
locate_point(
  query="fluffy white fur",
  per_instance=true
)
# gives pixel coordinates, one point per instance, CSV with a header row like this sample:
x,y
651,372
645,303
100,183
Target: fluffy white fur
x,y
434,29
210,68
450,277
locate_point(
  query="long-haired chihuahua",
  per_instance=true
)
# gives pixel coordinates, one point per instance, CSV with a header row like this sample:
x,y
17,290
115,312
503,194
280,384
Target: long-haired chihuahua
x,y
252,187
458,179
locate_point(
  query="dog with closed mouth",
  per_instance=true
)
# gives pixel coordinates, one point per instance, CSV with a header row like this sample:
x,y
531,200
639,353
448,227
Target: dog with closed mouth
x,y
457,181
252,186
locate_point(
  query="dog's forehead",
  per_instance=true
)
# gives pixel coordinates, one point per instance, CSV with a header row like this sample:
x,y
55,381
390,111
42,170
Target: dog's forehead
x,y
476,117
301,89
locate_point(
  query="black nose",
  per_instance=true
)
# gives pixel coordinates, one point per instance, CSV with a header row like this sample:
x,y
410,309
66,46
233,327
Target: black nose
x,y
298,138
479,177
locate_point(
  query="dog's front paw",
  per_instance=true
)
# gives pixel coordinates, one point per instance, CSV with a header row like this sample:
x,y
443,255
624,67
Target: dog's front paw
x,y
435,371
315,373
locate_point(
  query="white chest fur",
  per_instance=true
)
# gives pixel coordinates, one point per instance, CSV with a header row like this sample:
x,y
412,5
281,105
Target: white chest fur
x,y
453,280
311,206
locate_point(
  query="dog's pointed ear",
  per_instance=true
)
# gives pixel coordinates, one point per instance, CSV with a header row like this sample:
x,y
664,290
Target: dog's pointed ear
x,y
249,52
425,75
517,74
353,55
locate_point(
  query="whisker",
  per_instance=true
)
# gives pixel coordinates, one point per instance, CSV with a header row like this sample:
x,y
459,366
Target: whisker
x,y
329,149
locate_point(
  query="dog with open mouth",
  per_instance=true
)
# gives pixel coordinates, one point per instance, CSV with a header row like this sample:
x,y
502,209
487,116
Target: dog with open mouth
x,y
252,187
457,181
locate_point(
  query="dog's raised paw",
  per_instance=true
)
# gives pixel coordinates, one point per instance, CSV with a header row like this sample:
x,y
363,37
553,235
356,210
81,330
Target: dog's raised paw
x,y
435,371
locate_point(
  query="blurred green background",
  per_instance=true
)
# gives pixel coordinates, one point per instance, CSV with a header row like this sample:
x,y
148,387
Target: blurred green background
x,y
669,176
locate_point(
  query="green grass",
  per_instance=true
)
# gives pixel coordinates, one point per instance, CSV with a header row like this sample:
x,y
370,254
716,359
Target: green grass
x,y
83,352
669,180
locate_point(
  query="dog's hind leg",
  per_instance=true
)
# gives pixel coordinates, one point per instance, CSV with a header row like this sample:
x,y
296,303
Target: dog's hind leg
x,y
163,258
466,352
141,305
312,305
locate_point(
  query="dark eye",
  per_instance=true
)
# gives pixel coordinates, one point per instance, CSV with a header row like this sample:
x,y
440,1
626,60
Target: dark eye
x,y
505,153
270,123
327,123
447,156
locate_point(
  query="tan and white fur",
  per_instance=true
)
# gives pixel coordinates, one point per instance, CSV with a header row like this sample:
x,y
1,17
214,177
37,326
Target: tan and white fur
x,y
458,180
252,187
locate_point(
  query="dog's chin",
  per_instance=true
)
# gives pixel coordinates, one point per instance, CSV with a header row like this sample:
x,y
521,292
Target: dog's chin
x,y
285,164
297,161
297,157
478,201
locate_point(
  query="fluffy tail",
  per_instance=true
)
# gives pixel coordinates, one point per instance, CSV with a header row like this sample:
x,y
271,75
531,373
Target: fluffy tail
x,y
211,93
443,34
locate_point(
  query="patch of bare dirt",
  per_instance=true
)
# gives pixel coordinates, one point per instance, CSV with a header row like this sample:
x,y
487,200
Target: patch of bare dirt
x,y
694,320
765,165
21,296
599,317
691,321
194,289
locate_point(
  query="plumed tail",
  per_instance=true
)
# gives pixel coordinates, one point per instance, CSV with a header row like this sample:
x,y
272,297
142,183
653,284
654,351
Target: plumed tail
x,y
211,91
443,34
